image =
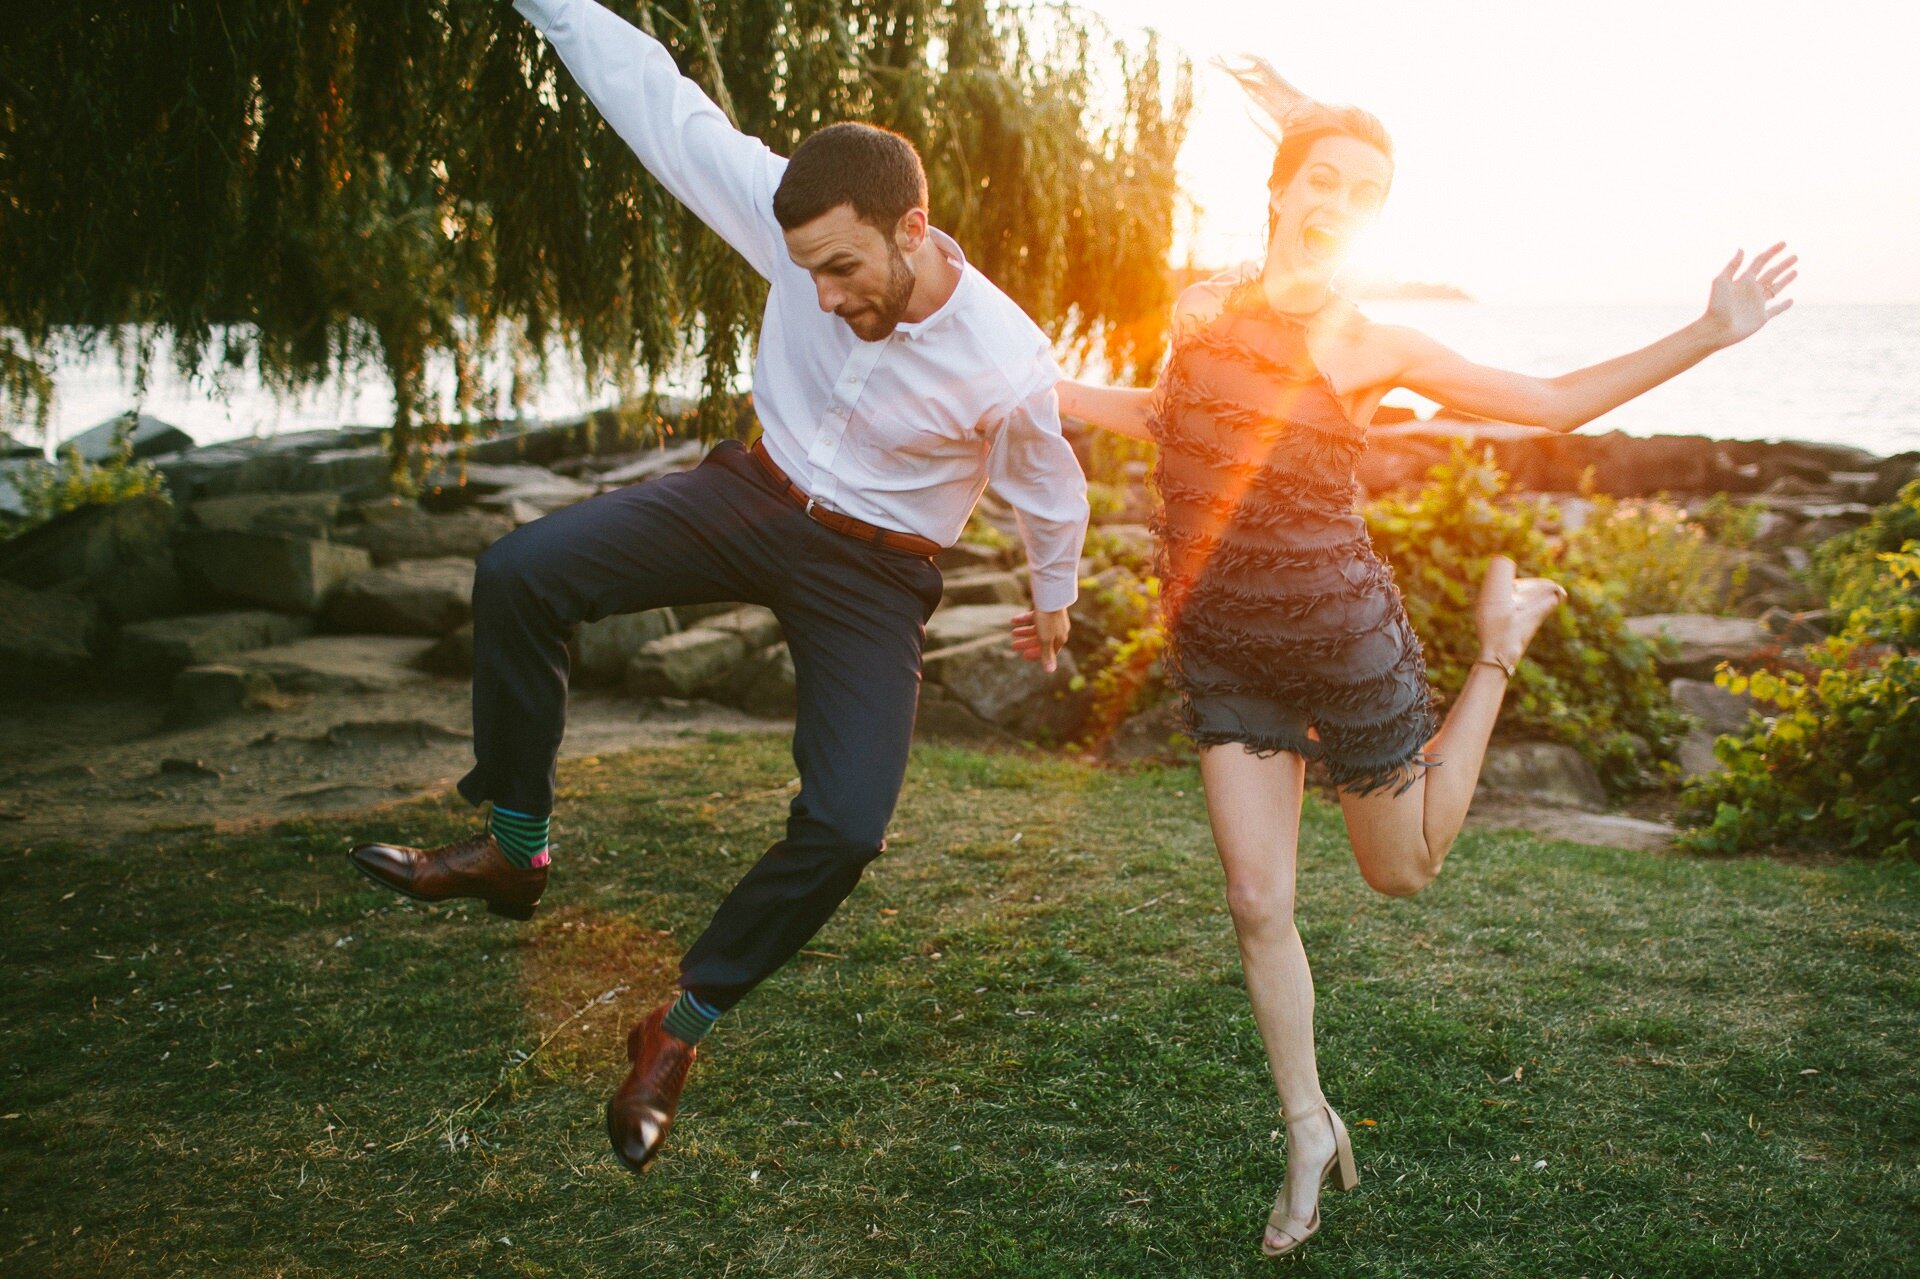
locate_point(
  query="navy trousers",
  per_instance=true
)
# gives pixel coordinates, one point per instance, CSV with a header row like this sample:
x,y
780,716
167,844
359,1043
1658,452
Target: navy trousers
x,y
854,615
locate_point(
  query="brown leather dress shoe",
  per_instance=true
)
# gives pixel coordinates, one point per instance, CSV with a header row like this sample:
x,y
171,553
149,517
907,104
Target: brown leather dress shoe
x,y
641,1113
471,867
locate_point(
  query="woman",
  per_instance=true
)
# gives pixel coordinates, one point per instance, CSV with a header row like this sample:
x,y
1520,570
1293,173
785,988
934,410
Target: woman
x,y
1287,637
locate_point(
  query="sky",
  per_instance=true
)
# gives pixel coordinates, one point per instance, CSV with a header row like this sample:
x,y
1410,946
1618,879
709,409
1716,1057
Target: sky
x,y
1556,152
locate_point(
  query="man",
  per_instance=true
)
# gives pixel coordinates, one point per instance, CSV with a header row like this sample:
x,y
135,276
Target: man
x,y
892,382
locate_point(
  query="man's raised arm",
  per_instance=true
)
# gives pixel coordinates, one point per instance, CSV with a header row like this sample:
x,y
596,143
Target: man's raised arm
x,y
683,139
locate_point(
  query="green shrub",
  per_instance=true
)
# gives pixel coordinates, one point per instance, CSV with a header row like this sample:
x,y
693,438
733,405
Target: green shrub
x,y
1649,556
1124,673
1107,549
70,482
1834,763
1588,681
1855,573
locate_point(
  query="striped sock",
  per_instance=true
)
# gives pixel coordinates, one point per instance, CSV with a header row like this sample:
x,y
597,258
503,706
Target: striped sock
x,y
689,1020
522,838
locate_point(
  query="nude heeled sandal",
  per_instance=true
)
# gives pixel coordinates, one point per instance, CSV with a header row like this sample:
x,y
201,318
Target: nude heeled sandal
x,y
1345,1177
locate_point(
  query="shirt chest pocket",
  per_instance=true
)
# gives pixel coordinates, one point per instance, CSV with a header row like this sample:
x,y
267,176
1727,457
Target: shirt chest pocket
x,y
931,426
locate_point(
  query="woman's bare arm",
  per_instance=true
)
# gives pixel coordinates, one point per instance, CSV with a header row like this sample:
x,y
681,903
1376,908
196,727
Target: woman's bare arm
x,y
1123,410
1736,309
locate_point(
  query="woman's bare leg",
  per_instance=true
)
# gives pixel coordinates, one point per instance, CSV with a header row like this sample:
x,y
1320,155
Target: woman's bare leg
x,y
1401,840
1254,806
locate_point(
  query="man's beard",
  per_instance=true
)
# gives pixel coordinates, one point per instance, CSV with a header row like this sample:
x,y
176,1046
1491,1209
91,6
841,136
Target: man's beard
x,y
879,324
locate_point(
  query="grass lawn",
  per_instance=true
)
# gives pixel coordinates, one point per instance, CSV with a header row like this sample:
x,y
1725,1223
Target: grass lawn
x,y
1022,1048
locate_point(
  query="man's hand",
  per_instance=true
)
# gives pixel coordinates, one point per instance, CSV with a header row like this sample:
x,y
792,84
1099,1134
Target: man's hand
x,y
1039,636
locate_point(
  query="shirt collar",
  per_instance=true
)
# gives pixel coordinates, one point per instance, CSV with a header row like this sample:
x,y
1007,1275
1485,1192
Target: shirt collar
x,y
951,251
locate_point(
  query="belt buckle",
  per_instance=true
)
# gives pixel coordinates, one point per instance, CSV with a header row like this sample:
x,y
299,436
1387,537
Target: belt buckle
x,y
809,508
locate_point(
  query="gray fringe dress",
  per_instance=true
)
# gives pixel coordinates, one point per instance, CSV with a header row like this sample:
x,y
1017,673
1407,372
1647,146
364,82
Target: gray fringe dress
x,y
1280,615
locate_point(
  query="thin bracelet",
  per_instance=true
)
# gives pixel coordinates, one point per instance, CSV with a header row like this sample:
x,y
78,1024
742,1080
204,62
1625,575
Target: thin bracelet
x,y
1496,663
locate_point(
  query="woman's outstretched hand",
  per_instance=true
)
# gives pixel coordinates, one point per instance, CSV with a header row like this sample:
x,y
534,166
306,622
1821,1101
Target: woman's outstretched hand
x,y
1742,301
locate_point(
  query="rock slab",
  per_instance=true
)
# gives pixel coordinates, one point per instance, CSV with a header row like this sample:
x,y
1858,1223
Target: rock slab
x,y
42,633
604,649
293,514
169,643
412,597
1700,642
686,664
340,663
291,573
987,677
416,535
84,545
202,694
1546,772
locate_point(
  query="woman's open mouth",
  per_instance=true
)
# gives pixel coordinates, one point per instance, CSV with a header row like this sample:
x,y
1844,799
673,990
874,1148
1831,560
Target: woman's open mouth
x,y
1323,243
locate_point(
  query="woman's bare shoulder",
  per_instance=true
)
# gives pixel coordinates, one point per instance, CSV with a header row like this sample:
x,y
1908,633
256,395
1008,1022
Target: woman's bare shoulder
x,y
1205,299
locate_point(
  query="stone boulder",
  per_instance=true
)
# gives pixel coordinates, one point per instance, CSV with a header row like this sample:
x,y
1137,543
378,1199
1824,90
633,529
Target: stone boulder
x,y
987,677
1807,626
1718,711
296,574
944,718
452,655
149,437
281,463
413,534
340,663
524,505
983,586
1890,476
968,622
137,589
1769,584
686,664
14,473
170,643
1825,527
202,694
510,489
603,650
764,683
1543,772
1696,643
294,514
757,627
412,597
1153,734
654,462
342,469
80,547
43,633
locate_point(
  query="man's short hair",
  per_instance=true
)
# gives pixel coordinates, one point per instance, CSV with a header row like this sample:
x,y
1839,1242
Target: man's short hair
x,y
875,170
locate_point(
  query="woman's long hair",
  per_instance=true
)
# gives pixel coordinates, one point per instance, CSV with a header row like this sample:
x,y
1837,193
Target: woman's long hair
x,y
1299,120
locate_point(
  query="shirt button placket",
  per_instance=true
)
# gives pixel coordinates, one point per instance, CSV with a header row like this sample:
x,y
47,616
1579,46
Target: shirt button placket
x,y
826,446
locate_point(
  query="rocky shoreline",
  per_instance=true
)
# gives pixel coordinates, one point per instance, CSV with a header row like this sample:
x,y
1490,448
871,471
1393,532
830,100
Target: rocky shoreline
x,y
281,567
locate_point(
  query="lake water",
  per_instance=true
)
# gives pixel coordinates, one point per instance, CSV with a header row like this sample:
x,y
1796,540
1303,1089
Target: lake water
x,y
1843,374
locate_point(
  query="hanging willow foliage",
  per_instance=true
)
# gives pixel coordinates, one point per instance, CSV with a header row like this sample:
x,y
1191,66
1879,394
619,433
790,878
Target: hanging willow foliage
x,y
314,183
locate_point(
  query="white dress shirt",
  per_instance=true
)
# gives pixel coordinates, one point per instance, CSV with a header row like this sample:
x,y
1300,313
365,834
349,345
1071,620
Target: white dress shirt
x,y
903,433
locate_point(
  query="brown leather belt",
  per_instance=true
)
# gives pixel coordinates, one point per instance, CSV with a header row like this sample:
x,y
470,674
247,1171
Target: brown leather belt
x,y
911,543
